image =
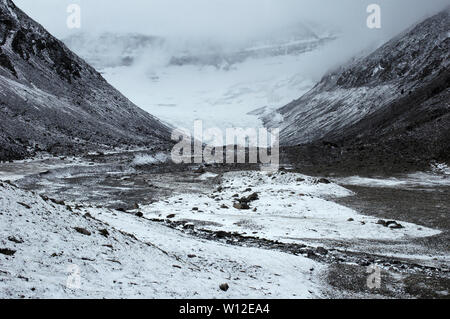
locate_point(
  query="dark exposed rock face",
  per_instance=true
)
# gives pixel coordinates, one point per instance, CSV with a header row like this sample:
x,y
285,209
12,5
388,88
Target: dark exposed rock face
x,y
394,102
52,100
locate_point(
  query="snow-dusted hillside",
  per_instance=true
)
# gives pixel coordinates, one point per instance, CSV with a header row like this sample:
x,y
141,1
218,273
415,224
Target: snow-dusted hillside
x,y
48,250
52,100
401,90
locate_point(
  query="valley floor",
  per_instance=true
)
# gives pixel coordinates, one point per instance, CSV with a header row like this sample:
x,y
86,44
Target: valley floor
x,y
109,225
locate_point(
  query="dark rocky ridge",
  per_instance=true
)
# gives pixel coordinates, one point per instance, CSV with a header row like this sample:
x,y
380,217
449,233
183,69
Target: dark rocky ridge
x,y
51,100
387,110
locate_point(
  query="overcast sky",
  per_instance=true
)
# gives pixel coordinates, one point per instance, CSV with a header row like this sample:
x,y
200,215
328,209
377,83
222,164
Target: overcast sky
x,y
225,18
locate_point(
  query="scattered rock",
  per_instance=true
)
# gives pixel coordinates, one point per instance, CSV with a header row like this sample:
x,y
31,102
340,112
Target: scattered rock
x,y
57,202
350,220
244,201
221,234
224,287
321,251
189,226
24,205
394,225
104,232
195,208
171,216
200,170
390,224
324,181
381,222
241,206
82,231
7,251
15,240
139,214
300,179
191,256
87,215
252,197
224,206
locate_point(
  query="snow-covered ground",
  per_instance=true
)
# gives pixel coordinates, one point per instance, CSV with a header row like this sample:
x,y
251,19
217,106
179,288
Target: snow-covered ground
x,y
43,255
290,208
220,97
48,249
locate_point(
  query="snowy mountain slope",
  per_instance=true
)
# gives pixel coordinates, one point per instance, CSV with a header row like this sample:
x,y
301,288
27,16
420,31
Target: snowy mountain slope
x,y
221,98
52,100
259,50
123,49
180,80
44,246
399,94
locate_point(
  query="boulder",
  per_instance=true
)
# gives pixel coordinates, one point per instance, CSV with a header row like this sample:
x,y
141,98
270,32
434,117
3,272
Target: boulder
x,y
224,287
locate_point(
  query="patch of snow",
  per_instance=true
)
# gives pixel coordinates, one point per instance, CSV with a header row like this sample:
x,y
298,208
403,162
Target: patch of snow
x,y
135,258
371,182
419,179
290,208
377,69
145,159
207,176
22,168
440,168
